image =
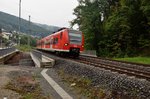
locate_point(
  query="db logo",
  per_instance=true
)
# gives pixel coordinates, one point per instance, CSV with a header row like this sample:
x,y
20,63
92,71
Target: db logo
x,y
75,46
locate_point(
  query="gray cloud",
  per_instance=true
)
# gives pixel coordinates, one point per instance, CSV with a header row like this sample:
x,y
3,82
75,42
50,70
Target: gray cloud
x,y
52,12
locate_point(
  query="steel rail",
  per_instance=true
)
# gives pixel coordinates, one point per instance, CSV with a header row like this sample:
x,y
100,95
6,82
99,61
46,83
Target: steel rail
x,y
122,70
117,61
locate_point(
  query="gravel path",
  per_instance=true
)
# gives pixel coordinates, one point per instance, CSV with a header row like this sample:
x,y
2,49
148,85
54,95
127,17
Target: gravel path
x,y
4,79
21,77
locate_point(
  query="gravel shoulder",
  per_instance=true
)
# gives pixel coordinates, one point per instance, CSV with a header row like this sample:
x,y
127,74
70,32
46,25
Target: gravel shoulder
x,y
53,73
111,84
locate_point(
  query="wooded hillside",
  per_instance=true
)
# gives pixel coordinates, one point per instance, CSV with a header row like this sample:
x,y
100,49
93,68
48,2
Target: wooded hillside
x,y
10,23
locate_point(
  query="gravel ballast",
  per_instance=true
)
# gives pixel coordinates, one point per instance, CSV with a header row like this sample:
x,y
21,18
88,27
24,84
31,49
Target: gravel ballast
x,y
111,81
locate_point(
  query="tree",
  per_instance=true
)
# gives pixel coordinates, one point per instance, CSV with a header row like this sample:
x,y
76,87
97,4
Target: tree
x,y
24,40
89,21
115,27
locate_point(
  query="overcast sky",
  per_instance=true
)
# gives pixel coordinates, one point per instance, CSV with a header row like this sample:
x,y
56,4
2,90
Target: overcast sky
x,y
51,12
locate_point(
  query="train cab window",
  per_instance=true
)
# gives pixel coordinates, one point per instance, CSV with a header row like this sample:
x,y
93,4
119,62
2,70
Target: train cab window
x,y
75,37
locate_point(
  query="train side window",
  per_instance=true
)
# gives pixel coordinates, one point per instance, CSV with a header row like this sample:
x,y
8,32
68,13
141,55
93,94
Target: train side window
x,y
48,43
55,41
51,41
42,43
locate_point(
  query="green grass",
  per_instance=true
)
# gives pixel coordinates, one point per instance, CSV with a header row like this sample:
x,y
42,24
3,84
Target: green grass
x,y
143,60
24,48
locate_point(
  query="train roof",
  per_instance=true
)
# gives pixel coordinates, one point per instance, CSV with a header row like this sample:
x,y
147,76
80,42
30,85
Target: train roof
x,y
66,28
60,29
63,28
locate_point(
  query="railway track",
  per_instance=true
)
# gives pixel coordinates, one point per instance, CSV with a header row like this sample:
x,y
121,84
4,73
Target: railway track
x,y
138,66
137,70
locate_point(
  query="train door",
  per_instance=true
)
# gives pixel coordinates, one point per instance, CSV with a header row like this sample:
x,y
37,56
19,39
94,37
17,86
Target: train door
x,y
61,40
45,43
51,42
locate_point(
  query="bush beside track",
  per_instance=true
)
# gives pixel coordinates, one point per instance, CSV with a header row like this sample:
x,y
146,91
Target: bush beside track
x,y
24,48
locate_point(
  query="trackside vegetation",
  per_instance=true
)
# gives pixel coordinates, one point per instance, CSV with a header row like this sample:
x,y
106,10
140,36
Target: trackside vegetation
x,y
24,48
115,28
143,60
27,43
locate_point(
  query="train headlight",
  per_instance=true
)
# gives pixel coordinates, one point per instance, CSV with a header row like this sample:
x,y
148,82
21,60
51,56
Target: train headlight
x,y
66,44
82,46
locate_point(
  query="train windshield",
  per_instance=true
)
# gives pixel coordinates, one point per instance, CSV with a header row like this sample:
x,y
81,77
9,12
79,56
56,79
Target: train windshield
x,y
75,37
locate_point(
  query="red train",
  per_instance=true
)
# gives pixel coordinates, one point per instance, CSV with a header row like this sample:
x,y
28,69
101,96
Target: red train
x,y
64,41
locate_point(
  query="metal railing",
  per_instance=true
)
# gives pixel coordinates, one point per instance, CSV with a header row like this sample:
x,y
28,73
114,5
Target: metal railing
x,y
6,51
89,52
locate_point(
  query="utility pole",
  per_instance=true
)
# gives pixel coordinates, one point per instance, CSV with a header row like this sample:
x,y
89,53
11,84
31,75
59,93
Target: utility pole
x,y
29,31
1,41
19,21
1,37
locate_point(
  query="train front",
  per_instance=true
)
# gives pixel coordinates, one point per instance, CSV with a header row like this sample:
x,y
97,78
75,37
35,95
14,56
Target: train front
x,y
76,42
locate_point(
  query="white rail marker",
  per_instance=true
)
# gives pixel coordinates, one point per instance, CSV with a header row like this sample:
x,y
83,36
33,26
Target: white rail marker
x,y
55,86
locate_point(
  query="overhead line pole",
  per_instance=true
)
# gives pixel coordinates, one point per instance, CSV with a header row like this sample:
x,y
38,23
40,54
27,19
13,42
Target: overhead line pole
x,y
29,31
19,21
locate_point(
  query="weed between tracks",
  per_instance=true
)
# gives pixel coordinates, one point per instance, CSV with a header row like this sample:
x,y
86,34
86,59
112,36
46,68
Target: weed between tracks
x,y
27,87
